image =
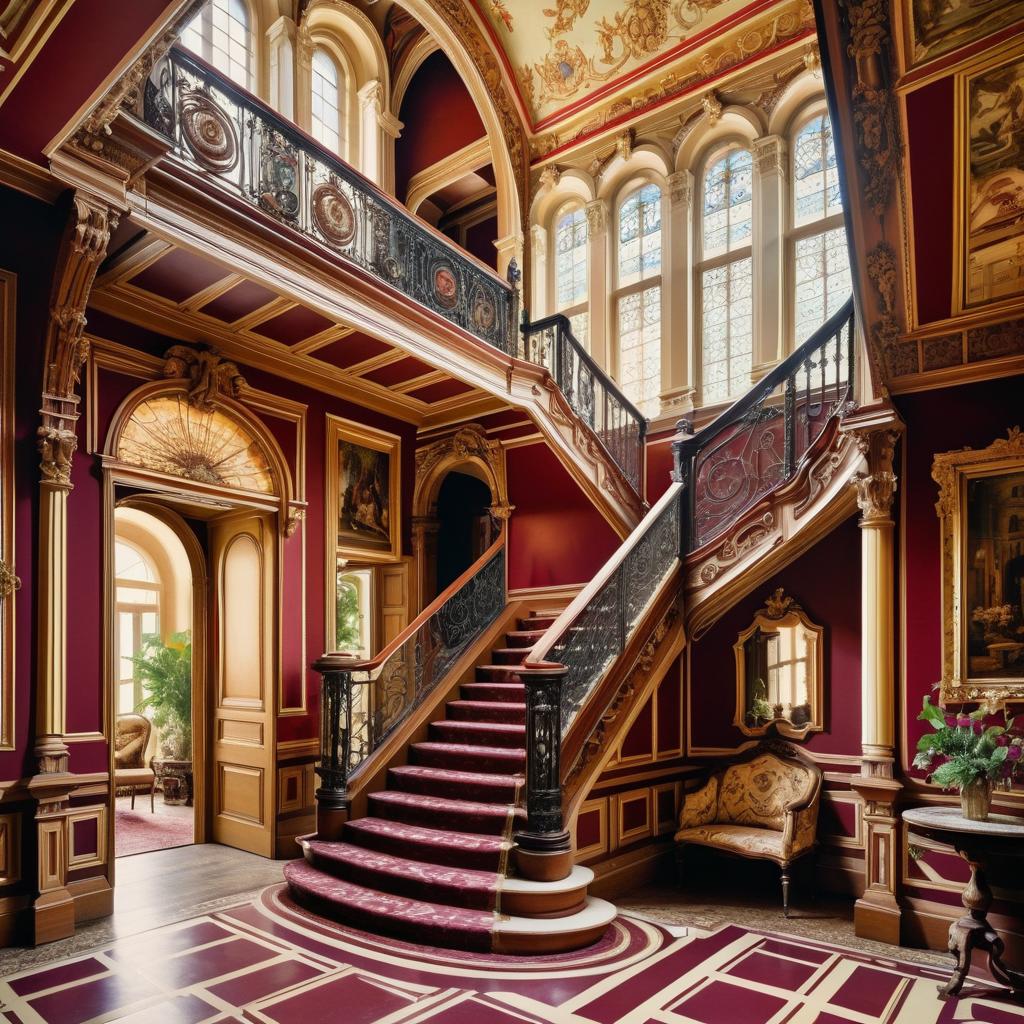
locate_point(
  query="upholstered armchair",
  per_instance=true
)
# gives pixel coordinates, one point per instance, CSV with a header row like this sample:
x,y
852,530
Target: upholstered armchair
x,y
763,804
131,737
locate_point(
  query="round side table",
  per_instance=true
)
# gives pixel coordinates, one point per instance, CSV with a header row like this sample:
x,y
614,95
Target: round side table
x,y
1000,837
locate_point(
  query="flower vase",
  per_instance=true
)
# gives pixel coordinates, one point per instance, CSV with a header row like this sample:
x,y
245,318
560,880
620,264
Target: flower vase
x,y
975,799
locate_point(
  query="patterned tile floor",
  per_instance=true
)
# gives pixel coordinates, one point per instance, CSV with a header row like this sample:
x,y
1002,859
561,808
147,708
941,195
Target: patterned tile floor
x,y
269,961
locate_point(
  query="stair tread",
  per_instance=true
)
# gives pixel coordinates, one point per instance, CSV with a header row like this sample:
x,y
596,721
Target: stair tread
x,y
503,727
536,633
386,906
443,804
504,668
412,870
506,753
456,775
430,836
488,705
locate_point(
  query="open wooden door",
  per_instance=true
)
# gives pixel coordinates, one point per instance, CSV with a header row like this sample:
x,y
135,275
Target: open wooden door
x,y
243,564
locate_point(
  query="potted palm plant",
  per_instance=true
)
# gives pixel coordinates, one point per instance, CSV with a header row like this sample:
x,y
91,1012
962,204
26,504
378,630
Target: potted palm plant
x,y
165,670
968,756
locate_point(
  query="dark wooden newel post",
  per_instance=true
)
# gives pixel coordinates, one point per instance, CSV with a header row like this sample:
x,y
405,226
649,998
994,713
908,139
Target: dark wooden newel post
x,y
544,848
335,743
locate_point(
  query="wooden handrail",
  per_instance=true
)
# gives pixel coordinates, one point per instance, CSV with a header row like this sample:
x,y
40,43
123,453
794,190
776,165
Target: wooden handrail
x,y
339,660
537,658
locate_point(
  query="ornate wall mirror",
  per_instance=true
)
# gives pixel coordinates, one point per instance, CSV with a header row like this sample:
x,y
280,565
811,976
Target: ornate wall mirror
x,y
779,672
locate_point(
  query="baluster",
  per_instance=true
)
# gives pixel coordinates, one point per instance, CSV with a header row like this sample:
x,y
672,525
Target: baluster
x,y
544,849
790,417
849,353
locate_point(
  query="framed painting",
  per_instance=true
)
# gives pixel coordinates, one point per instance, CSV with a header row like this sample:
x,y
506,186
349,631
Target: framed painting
x,y
933,28
363,492
989,171
981,511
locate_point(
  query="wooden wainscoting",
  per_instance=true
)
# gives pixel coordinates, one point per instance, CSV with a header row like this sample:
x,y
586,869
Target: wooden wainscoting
x,y
296,786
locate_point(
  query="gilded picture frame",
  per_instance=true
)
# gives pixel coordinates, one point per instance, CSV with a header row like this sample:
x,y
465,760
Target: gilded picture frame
x,y
981,515
364,501
782,613
929,32
988,174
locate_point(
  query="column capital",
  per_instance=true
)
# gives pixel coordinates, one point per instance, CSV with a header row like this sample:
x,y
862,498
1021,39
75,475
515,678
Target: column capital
x,y
875,431
680,188
770,156
283,28
597,216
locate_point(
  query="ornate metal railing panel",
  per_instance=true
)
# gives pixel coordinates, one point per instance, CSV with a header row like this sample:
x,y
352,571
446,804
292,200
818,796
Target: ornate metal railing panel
x,y
362,703
592,395
600,630
255,154
759,442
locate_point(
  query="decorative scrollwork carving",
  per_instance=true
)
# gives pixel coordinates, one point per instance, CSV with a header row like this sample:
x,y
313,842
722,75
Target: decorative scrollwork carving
x,y
210,375
9,582
208,132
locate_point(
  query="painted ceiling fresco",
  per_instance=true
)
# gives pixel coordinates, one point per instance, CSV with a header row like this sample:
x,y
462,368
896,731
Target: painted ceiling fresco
x,y
563,52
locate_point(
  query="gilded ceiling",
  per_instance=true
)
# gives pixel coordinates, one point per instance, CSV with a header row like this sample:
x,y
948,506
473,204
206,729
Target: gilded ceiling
x,y
565,52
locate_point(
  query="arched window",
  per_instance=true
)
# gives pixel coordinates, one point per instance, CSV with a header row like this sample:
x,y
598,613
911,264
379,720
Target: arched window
x,y
725,273
221,34
571,267
137,607
326,119
821,268
638,298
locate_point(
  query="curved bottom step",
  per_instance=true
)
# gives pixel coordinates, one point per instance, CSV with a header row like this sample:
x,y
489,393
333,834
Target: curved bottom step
x,y
431,924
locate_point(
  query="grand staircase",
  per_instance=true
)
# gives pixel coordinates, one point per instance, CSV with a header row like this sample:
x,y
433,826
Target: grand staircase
x,y
431,862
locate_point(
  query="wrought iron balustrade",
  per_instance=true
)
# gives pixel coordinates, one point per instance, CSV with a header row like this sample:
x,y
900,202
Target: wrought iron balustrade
x,y
758,443
253,153
363,701
590,392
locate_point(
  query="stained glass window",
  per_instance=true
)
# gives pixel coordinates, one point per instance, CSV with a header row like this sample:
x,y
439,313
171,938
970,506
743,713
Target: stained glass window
x,y
571,259
638,300
815,175
728,204
220,34
821,269
326,115
640,236
726,277
168,435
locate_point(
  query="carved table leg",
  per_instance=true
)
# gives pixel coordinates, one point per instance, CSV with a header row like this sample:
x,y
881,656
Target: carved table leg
x,y
973,932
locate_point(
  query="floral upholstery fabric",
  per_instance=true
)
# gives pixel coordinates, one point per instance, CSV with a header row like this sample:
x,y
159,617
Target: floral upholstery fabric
x,y
757,792
131,734
756,842
700,806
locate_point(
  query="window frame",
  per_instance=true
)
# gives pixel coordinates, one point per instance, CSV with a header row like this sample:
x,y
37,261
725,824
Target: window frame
x,y
796,233
341,88
721,151
629,188
205,19
136,610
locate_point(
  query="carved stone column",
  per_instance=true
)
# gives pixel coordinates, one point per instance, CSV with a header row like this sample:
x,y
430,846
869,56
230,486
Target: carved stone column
x,y
877,913
281,82
769,240
82,250
540,304
677,356
599,285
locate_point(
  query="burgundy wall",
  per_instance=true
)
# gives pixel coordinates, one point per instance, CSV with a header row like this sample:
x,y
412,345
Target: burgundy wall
x,y
826,582
659,465
480,241
439,117
556,535
973,416
31,240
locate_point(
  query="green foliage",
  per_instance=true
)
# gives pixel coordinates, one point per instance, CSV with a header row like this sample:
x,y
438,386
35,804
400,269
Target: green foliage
x,y
347,636
762,710
964,749
166,674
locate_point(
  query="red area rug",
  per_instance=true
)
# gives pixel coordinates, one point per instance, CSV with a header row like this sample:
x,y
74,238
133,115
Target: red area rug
x,y
139,831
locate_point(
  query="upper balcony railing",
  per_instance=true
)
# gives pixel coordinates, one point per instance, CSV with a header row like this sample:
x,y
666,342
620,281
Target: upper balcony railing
x,y
590,392
255,154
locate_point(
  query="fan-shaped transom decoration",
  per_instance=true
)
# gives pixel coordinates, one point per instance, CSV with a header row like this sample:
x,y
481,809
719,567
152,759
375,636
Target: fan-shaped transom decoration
x,y
168,435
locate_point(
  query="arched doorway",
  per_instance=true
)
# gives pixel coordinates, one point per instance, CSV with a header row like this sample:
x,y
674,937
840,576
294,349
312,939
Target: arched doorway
x,y
465,528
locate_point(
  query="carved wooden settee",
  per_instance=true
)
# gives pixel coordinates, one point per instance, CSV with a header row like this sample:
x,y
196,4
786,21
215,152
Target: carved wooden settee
x,y
761,804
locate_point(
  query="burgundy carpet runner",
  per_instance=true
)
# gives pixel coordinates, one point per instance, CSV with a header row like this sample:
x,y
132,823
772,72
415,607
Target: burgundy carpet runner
x,y
426,862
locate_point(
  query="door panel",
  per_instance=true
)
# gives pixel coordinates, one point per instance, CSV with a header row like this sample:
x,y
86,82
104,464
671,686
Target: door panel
x,y
243,557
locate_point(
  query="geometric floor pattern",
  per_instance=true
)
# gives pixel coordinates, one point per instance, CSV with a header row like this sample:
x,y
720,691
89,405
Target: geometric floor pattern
x,y
271,962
